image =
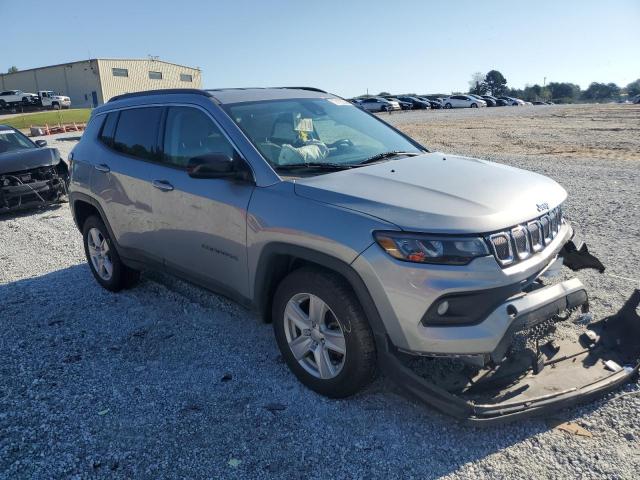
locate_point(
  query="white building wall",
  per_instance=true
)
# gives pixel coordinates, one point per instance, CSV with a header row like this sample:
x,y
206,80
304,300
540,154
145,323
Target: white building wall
x,y
77,80
91,83
138,79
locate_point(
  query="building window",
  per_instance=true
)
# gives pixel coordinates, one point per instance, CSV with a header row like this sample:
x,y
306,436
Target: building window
x,y
120,72
155,75
185,77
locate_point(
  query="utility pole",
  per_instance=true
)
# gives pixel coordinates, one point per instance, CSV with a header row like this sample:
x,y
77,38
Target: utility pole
x,y
544,82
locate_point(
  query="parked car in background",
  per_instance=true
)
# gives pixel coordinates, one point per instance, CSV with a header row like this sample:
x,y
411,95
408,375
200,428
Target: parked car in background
x,y
31,174
435,104
463,101
416,102
490,102
379,104
498,102
538,102
403,105
514,102
10,98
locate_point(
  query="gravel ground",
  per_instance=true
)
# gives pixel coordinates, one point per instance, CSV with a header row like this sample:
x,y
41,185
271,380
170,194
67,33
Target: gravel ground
x,y
167,380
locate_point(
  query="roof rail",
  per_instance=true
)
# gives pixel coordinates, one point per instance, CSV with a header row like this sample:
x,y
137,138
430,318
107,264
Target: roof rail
x,y
164,91
312,89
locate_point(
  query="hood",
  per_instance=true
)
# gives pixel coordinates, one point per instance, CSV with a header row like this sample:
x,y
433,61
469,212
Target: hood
x,y
27,159
438,193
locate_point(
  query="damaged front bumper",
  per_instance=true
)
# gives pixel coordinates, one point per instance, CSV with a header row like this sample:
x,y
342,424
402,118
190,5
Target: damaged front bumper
x,y
31,188
507,382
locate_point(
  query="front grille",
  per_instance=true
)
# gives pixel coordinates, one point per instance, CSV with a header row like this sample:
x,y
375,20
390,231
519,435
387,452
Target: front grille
x,y
501,243
535,234
522,241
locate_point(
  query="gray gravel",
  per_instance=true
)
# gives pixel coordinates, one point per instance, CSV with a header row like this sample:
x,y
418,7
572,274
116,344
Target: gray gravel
x,y
167,380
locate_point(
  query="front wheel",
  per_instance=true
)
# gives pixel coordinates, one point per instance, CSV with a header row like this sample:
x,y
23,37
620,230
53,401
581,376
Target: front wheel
x,y
323,333
103,259
474,105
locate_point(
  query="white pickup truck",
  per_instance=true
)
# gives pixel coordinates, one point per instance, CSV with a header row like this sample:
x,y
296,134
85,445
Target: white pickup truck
x,y
48,98
44,98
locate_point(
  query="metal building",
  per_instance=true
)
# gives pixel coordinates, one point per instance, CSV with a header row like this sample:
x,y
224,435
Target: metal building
x,y
90,83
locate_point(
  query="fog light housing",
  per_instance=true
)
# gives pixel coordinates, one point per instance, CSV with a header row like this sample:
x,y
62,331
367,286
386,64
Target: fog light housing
x,y
443,307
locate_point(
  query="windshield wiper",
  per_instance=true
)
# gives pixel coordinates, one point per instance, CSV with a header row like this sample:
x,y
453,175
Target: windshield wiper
x,y
382,156
313,165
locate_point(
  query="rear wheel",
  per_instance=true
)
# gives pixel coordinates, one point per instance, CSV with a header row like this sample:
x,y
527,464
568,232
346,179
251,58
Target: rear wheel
x,y
323,333
447,105
103,259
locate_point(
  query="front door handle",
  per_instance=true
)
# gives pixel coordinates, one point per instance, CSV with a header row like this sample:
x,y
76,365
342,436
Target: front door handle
x,y
102,167
162,185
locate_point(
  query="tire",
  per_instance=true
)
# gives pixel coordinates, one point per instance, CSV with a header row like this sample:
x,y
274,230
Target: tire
x,y
121,276
55,106
25,101
384,108
344,318
3,104
474,105
447,105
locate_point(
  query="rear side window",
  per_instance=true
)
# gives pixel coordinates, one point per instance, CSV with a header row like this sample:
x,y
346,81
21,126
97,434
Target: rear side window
x,y
137,132
109,129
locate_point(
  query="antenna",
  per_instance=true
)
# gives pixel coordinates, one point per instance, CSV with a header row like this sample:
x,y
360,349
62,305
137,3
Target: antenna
x,y
153,58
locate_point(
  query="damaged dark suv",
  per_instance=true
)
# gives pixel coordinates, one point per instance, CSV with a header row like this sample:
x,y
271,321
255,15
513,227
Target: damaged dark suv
x,y
31,174
365,249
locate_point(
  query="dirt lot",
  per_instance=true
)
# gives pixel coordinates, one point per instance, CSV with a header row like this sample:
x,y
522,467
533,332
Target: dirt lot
x,y
167,380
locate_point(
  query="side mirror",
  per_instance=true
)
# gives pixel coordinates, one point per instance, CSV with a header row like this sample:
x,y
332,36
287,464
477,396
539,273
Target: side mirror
x,y
41,143
213,165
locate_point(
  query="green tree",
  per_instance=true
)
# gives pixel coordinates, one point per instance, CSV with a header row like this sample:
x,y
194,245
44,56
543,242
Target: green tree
x,y
633,88
495,82
563,92
601,91
477,86
384,94
12,69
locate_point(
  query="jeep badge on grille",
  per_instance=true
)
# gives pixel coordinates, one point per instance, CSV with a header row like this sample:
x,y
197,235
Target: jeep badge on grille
x,y
542,206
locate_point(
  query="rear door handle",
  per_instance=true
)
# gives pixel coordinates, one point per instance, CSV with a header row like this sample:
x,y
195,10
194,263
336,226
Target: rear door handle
x,y
162,185
101,167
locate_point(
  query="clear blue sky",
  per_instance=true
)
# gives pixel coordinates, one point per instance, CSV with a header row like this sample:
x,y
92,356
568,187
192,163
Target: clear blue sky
x,y
342,46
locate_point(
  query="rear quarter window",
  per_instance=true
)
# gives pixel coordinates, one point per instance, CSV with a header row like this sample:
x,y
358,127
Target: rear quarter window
x,y
137,132
109,129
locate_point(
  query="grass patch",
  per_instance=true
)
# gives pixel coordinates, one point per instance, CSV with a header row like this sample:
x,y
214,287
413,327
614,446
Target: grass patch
x,y
53,117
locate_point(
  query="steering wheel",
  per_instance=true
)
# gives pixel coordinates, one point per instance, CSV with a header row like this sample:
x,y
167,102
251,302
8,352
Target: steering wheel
x,y
343,143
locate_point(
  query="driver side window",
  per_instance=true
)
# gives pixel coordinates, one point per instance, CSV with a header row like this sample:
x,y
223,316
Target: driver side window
x,y
190,133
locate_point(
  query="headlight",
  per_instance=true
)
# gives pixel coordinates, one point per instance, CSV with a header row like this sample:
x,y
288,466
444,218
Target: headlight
x,y
423,248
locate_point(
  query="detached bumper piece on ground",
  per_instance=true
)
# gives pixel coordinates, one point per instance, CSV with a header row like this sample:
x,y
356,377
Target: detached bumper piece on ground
x,y
31,188
531,372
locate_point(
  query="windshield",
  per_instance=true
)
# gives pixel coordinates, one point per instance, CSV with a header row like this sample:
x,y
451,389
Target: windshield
x,y
12,140
318,131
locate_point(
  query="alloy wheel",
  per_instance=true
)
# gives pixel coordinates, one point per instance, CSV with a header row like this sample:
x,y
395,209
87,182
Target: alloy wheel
x,y
314,336
100,254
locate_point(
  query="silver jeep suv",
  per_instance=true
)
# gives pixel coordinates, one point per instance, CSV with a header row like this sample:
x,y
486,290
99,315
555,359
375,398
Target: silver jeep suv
x,y
365,249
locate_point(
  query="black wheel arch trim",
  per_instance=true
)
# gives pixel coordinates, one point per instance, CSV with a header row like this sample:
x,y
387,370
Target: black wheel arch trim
x,y
263,278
